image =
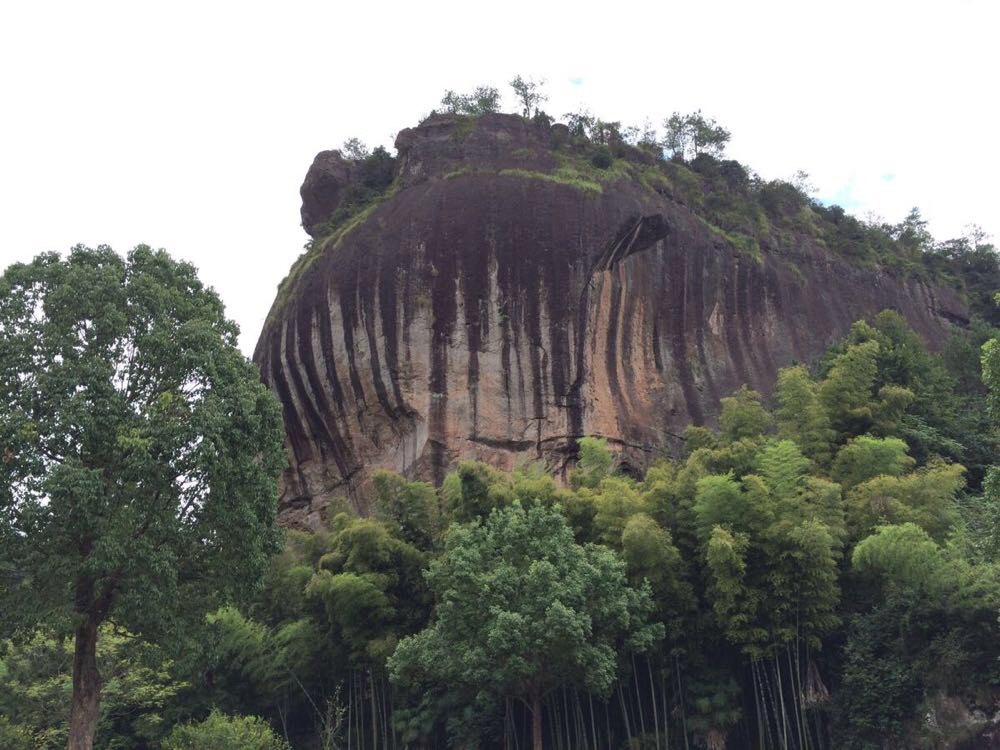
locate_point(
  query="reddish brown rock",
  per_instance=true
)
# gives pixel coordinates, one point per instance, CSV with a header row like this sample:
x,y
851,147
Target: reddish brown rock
x,y
495,309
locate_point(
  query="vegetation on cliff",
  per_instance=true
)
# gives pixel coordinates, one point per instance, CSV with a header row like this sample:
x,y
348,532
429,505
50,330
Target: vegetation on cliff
x,y
684,162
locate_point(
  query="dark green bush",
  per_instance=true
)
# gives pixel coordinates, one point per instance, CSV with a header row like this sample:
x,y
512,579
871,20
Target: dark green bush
x,y
601,158
221,732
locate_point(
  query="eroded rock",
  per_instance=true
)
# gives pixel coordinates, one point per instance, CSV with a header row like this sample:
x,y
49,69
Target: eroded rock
x,y
500,305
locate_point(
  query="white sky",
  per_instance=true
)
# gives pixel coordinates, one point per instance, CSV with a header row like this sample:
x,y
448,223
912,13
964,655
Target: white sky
x,y
190,125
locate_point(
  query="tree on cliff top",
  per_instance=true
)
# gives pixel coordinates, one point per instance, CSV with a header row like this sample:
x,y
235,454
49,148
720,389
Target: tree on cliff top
x,y
139,454
523,609
483,99
529,94
689,135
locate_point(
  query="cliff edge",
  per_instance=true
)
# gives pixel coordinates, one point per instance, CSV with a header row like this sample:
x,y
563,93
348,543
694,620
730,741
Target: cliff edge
x,y
510,289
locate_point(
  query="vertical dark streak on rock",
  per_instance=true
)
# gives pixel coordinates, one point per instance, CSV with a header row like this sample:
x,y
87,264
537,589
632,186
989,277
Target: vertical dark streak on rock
x,y
289,381
475,282
329,356
388,310
504,314
300,390
744,281
442,272
557,271
347,294
324,409
366,292
676,270
790,325
532,313
293,429
657,356
757,292
730,321
629,296
611,344
408,304
301,450
696,313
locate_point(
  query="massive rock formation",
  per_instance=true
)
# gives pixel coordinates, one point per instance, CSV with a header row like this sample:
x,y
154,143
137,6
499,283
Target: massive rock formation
x,y
502,301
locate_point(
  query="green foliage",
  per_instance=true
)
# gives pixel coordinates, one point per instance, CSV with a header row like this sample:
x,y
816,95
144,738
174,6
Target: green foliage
x,y
221,732
141,452
688,136
409,508
846,393
594,463
743,416
601,158
783,468
904,555
713,588
141,695
571,178
468,491
866,457
801,416
481,100
374,172
529,94
926,497
523,608
16,736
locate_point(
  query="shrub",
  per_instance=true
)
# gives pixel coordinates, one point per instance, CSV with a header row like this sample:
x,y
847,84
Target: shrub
x,y
221,732
601,158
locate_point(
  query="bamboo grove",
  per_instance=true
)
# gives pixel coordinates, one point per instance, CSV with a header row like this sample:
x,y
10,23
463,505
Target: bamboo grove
x,y
820,571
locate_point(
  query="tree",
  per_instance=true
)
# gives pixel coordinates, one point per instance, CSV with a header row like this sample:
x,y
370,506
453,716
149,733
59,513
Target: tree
x,y
140,694
743,415
355,149
529,93
690,135
595,462
866,457
523,609
846,392
800,415
483,99
141,453
409,508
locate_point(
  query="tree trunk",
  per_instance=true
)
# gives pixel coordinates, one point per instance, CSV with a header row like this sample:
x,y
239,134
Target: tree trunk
x,y
536,720
85,709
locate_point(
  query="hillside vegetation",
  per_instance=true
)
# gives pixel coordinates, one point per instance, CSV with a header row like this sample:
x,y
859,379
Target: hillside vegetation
x,y
817,572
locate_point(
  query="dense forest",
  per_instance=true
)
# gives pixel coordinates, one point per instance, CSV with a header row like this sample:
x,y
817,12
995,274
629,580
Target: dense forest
x,y
819,570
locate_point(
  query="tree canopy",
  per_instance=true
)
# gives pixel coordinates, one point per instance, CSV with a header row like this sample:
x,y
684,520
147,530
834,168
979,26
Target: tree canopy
x,y
140,453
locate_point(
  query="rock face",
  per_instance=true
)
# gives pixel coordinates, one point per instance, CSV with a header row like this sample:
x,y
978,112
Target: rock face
x,y
498,306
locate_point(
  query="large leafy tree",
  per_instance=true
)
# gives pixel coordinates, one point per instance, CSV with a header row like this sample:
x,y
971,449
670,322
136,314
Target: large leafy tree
x,y
139,454
523,609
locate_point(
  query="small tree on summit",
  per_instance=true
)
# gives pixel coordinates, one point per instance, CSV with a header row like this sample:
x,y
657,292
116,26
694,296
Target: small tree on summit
x,y
140,454
529,93
483,99
689,135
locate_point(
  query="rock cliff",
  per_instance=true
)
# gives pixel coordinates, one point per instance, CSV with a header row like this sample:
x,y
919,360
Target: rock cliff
x,y
504,297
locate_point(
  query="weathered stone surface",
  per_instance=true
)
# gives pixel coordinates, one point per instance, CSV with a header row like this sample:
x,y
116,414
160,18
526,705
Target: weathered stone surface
x,y
322,191
486,312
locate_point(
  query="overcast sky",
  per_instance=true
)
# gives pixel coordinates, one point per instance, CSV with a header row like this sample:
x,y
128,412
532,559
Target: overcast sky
x,y
190,125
